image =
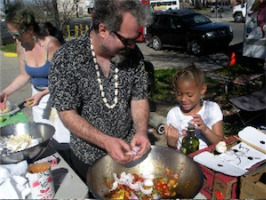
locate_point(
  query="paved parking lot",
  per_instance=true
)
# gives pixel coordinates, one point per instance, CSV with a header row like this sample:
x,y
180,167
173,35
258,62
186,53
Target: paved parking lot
x,y
174,58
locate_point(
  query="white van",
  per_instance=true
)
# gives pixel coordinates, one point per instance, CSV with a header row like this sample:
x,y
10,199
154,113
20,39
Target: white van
x,y
239,12
163,5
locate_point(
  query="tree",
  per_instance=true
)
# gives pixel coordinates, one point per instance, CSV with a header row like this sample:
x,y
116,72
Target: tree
x,y
42,10
197,4
57,12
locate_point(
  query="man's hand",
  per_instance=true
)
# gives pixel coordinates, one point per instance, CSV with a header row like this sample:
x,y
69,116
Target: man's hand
x,y
141,141
117,150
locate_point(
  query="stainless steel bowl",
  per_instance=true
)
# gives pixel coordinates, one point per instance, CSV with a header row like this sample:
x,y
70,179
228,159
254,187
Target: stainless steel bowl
x,y
155,162
36,130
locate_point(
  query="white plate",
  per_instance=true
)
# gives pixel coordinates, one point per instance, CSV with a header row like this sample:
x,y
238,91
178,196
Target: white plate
x,y
13,109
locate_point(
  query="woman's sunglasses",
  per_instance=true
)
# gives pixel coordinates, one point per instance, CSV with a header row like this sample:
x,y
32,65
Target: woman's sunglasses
x,y
126,41
17,34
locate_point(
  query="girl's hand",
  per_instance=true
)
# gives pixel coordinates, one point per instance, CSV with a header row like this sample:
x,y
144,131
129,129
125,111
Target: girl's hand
x,y
172,135
199,124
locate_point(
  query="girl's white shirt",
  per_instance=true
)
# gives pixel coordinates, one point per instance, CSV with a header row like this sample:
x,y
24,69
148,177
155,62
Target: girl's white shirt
x,y
210,113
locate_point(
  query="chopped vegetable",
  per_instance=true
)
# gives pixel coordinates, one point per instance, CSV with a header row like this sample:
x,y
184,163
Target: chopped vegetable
x,y
30,102
134,186
20,142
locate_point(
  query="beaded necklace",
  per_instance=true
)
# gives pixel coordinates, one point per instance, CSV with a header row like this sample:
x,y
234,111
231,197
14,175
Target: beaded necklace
x,y
100,81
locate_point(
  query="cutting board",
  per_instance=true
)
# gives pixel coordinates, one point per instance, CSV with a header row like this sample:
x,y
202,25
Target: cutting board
x,y
237,160
18,117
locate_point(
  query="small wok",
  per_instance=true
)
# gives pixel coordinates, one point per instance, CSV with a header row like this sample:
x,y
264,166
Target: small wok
x,y
36,130
155,162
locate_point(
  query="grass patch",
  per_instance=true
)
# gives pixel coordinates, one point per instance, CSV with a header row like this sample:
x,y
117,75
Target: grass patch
x,y
163,93
9,48
240,70
203,11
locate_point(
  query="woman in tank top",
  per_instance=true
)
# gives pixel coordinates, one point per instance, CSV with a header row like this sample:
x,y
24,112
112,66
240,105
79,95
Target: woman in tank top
x,y
35,50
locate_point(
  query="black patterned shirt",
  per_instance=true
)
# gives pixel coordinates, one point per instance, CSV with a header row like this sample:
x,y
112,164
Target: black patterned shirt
x,y
73,86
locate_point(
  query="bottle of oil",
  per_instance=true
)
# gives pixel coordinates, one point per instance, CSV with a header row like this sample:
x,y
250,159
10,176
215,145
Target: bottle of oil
x,y
190,142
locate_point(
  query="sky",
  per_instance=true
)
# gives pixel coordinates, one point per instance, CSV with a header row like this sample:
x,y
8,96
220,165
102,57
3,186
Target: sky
x,y
2,4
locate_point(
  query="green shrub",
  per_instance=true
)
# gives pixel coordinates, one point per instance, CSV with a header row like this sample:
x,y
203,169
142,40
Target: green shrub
x,y
9,48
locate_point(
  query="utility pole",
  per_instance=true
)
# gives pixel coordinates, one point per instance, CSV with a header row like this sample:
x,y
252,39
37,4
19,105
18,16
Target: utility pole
x,y
76,2
216,9
6,2
56,14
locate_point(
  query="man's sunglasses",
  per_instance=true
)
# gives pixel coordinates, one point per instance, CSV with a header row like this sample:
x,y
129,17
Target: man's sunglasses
x,y
126,41
17,34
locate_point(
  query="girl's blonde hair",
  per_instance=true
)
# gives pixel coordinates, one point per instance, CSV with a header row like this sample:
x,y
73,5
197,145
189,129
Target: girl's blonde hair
x,y
189,73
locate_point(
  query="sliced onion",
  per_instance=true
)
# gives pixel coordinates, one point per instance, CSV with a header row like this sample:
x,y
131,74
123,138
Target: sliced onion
x,y
156,196
115,176
130,176
115,184
148,182
123,174
124,178
130,179
147,192
133,196
127,179
135,186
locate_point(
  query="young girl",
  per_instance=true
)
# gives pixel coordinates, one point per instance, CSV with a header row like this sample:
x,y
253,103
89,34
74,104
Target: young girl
x,y
189,87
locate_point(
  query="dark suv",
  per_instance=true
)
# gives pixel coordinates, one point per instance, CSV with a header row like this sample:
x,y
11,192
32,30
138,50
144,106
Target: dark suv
x,y
186,28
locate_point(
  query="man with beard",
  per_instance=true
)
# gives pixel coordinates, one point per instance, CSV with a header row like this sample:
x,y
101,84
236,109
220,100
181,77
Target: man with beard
x,y
98,85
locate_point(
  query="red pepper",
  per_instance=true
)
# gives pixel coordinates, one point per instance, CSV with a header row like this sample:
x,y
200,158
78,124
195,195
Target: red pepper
x,y
219,195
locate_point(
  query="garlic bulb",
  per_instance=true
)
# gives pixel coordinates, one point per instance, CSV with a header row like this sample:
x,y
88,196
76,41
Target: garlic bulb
x,y
221,147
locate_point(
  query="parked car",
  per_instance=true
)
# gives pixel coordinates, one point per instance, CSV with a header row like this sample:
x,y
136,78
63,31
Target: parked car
x,y
189,29
239,12
5,37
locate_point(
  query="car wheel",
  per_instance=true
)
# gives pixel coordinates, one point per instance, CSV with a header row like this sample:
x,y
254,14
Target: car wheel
x,y
156,43
238,17
160,129
194,48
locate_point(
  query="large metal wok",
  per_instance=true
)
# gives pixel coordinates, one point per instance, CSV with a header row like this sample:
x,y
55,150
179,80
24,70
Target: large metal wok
x,y
190,176
36,130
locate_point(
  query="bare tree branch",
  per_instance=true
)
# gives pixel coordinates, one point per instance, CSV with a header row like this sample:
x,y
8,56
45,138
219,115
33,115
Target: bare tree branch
x,y
57,12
